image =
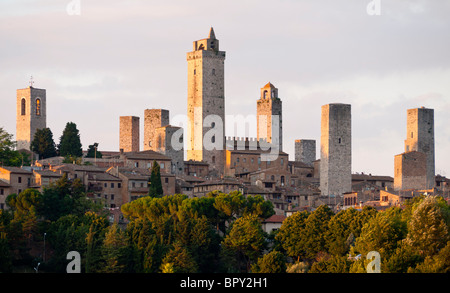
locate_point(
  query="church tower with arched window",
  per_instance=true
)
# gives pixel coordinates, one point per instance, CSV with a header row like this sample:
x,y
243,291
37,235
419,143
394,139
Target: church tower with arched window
x,y
31,115
269,116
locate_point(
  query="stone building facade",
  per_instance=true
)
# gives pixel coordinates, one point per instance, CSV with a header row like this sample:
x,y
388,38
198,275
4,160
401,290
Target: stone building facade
x,y
206,104
31,115
153,119
420,138
169,141
336,150
410,171
269,116
129,134
305,151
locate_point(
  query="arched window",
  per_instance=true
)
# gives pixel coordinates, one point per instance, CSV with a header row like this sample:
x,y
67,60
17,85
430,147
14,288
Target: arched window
x,y
265,95
38,107
213,159
22,107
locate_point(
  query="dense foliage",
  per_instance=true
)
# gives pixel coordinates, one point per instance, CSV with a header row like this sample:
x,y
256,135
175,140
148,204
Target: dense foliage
x,y
221,232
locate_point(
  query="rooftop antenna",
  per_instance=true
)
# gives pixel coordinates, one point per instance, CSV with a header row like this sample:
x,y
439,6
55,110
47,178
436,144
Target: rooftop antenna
x,y
31,81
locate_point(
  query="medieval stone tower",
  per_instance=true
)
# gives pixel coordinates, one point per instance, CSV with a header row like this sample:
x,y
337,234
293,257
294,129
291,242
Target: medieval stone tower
x,y
420,138
336,149
206,104
153,119
129,133
305,151
269,116
31,115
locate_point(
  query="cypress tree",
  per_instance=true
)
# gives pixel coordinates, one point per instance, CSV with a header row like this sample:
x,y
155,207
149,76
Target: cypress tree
x,y
155,189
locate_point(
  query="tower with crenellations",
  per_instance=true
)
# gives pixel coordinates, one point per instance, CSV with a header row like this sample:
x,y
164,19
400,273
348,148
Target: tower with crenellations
x,y
206,104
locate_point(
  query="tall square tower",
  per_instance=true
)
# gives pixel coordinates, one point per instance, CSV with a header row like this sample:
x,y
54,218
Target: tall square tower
x,y
269,116
129,133
31,115
336,149
420,138
206,103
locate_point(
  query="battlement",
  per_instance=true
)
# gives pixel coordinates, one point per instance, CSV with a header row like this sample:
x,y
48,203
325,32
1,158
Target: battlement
x,y
244,143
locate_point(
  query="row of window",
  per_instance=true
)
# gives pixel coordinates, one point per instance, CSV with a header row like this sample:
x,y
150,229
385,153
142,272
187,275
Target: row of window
x,y
119,185
24,104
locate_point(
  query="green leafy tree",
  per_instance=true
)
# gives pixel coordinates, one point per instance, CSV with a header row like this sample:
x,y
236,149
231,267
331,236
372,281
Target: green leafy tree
x,y
383,233
345,227
428,231
93,151
246,238
332,264
82,233
316,229
43,143
438,263
272,262
155,189
70,143
5,254
178,260
114,250
8,155
230,204
291,234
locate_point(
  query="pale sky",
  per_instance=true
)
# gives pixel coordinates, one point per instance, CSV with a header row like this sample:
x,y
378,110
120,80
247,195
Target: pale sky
x,y
118,58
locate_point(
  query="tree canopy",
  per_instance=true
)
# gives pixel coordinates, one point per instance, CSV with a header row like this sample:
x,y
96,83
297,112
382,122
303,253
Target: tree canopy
x,y
43,143
70,142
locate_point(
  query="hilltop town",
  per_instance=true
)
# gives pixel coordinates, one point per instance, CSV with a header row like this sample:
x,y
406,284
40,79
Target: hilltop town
x,y
214,162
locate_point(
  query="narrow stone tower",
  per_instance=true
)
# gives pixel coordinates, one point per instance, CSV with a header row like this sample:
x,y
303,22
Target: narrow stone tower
x,y
31,115
420,138
206,104
336,150
129,133
269,116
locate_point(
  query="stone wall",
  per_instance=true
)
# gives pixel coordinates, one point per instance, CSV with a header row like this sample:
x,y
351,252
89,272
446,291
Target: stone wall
x,y
305,151
410,171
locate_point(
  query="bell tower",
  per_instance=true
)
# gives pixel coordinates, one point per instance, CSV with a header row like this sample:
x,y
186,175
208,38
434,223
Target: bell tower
x,y
31,114
269,116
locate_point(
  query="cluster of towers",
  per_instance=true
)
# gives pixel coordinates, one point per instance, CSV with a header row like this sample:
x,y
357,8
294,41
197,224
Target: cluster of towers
x,y
205,130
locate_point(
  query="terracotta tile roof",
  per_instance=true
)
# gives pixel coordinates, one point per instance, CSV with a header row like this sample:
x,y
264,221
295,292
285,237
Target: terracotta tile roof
x,y
275,219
